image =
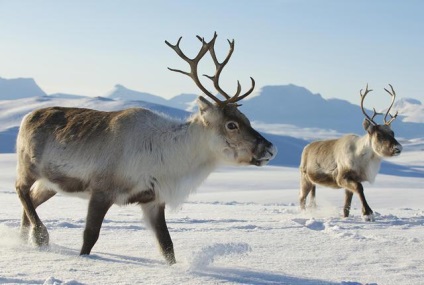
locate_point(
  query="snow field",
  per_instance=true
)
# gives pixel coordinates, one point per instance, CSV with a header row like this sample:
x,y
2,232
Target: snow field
x,y
242,227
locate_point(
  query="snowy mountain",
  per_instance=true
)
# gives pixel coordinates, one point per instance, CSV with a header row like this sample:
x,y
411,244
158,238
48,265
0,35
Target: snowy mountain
x,y
66,96
19,88
297,106
411,109
182,101
281,104
120,92
290,104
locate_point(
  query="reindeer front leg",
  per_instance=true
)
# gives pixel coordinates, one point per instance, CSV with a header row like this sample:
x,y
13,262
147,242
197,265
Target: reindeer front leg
x,y
155,216
97,209
348,181
367,213
348,202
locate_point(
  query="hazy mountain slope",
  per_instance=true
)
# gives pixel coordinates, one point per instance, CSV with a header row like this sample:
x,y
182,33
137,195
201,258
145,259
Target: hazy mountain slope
x,y
281,104
290,104
184,102
411,109
120,92
19,88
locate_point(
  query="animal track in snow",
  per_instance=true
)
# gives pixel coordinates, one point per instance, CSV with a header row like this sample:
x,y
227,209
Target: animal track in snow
x,y
207,255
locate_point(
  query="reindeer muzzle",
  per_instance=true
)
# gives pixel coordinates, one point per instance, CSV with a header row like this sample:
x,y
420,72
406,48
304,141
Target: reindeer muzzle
x,y
397,150
267,152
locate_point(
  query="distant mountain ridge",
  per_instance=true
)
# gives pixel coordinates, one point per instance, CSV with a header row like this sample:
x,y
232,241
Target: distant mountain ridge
x,y
291,104
280,104
120,92
413,107
182,101
17,88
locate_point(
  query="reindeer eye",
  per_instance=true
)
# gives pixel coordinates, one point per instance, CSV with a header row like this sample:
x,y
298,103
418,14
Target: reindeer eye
x,y
232,126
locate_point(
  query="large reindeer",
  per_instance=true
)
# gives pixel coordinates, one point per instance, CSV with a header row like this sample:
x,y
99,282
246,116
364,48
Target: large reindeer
x,y
132,156
349,160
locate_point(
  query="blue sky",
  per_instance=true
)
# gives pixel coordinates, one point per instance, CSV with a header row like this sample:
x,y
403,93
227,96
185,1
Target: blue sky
x,y
330,47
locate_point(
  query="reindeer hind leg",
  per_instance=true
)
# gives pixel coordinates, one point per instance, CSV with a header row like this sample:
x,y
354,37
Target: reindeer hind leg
x,y
306,186
312,201
348,202
38,195
25,222
38,233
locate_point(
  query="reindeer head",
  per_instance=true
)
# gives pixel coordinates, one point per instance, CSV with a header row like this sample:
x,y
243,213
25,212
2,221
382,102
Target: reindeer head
x,y
233,138
382,137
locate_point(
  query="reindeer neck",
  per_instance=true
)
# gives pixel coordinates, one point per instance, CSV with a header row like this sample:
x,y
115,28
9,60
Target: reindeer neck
x,y
189,141
365,149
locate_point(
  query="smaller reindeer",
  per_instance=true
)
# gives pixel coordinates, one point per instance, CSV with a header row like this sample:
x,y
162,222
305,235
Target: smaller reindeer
x,y
349,160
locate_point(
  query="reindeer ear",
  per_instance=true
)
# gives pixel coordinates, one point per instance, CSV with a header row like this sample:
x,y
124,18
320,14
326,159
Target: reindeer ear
x,y
368,126
203,104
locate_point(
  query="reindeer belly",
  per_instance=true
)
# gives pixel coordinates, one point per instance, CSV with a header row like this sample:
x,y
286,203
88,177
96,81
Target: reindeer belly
x,y
74,187
69,187
324,179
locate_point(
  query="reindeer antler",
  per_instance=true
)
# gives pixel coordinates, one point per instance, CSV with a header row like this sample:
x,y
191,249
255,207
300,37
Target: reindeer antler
x,y
193,74
371,120
393,95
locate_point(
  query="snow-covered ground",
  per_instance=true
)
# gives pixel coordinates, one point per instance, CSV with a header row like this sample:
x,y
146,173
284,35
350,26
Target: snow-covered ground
x,y
243,226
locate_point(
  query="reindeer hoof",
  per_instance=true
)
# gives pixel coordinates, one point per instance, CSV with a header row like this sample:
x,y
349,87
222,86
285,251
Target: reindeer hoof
x,y
171,261
39,236
170,258
24,234
346,213
369,218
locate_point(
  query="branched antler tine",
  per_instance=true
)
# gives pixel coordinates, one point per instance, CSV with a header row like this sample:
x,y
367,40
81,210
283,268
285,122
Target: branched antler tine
x,y
391,118
210,46
180,71
362,104
249,91
204,49
193,66
230,52
177,49
235,97
375,114
393,95
238,90
200,38
219,66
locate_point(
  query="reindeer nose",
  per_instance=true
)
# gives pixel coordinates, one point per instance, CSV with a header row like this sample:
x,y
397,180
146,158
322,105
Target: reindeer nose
x,y
272,150
397,149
